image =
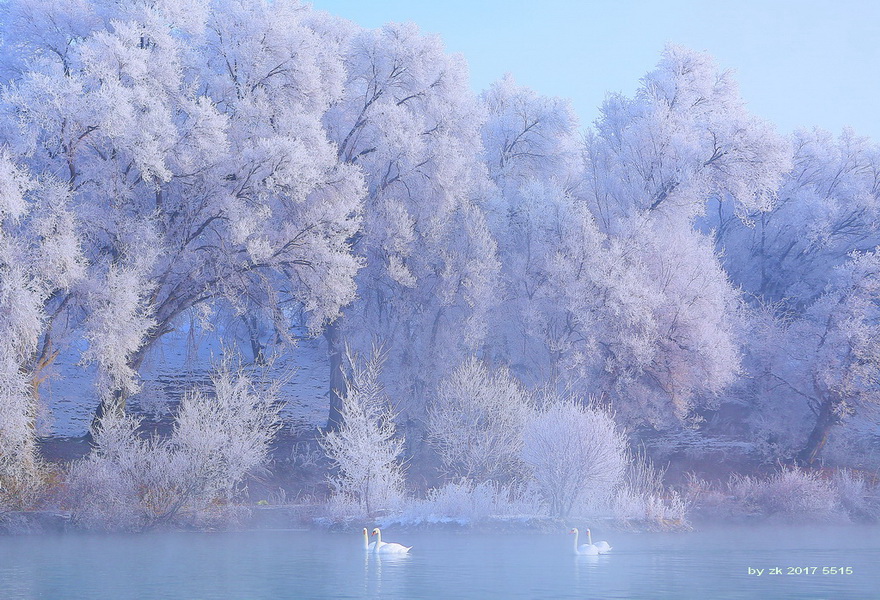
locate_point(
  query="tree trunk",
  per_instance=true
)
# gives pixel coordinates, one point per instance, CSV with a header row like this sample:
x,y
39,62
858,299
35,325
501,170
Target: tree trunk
x,y
825,420
253,329
337,376
115,402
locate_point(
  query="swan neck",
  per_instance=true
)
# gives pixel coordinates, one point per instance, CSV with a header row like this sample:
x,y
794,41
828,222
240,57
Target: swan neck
x,y
589,537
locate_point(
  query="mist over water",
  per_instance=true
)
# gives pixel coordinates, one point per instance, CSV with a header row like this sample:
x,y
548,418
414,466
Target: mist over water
x,y
712,563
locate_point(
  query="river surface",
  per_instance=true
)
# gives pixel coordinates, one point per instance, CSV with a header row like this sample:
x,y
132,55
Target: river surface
x,y
713,563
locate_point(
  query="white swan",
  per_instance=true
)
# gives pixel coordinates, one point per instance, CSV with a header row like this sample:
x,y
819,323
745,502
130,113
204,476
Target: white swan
x,y
368,545
388,547
584,549
602,546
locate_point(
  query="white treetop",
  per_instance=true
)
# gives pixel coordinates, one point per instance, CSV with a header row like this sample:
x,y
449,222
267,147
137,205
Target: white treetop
x,y
192,145
408,120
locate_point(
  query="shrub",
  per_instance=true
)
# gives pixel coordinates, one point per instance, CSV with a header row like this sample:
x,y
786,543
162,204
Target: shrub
x,y
642,496
468,501
103,488
224,437
476,422
792,493
641,476
21,471
129,482
573,451
702,495
856,496
463,500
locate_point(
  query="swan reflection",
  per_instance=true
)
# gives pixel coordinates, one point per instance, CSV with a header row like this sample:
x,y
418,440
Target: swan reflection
x,y
382,570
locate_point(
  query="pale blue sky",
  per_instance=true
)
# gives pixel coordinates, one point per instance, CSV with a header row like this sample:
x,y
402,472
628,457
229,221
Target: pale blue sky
x,y
798,62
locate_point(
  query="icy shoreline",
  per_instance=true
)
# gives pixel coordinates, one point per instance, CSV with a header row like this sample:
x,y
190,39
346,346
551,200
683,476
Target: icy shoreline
x,y
304,517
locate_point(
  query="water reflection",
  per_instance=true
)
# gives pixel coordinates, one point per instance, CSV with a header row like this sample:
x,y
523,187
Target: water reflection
x,y
383,573
586,559
583,565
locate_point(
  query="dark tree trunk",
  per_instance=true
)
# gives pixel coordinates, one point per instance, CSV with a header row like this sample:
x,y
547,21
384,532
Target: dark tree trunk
x,y
825,420
335,348
254,335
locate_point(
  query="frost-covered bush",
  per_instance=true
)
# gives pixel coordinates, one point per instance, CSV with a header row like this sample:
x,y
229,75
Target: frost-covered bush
x,y
702,495
467,501
642,496
464,499
851,491
474,501
790,493
856,495
225,436
132,482
573,452
667,511
367,475
476,423
103,487
642,477
20,466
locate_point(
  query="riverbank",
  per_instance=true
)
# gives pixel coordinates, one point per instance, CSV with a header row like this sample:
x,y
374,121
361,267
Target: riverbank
x,y
310,517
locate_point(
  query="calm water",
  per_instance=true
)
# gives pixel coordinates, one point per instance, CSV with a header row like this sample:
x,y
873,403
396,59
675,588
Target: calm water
x,y
299,564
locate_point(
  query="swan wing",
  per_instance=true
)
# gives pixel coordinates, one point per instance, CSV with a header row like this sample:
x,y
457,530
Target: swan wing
x,y
588,550
393,548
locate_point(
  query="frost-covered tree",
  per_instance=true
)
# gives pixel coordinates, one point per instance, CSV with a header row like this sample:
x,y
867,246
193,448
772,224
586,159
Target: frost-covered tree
x,y
809,294
476,421
684,139
650,316
648,308
365,449
527,136
531,150
646,316
827,207
837,355
573,451
40,262
605,273
409,122
192,145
